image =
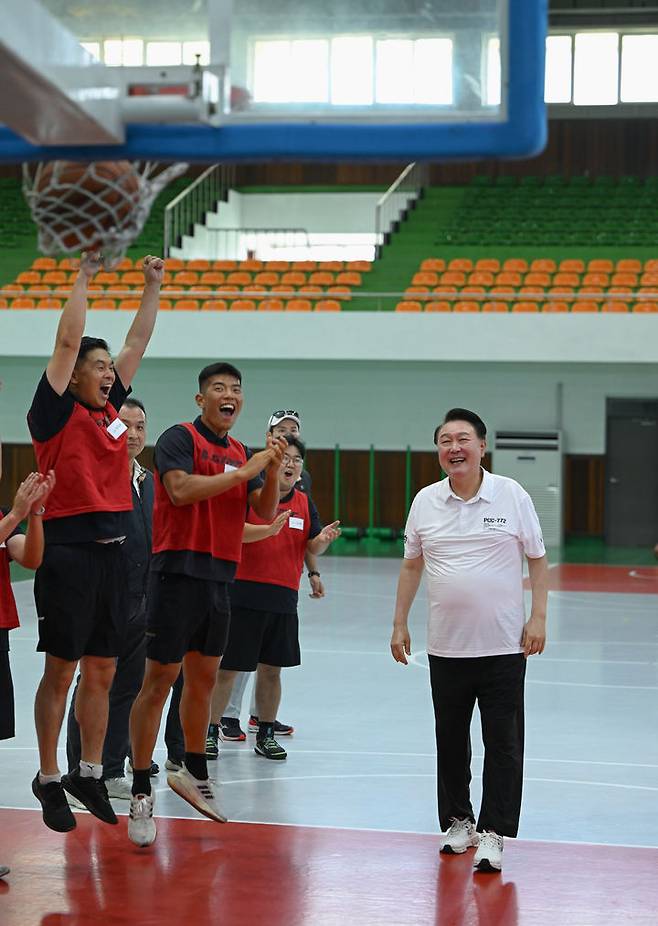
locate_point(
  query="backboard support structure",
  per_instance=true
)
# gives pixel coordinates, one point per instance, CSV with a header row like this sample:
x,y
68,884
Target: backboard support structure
x,y
513,126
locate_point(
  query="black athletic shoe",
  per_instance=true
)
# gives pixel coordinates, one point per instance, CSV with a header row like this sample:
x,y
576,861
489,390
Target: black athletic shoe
x,y
212,742
93,794
4,871
267,746
280,729
56,811
230,730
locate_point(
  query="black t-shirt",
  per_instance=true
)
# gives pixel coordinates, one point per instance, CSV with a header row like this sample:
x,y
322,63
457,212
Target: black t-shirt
x,y
47,416
4,632
263,596
175,450
305,483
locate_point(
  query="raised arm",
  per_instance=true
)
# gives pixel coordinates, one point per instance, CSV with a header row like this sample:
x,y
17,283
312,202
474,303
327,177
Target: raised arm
x,y
130,356
254,532
71,326
534,632
324,539
265,500
186,488
411,573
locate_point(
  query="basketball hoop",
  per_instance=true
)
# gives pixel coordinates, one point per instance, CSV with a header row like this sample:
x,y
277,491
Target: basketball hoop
x,y
98,206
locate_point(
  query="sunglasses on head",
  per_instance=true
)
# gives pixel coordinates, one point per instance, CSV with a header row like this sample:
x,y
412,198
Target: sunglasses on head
x,y
285,413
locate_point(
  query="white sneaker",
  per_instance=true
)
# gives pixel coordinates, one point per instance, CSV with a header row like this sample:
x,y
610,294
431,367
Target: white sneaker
x,y
489,856
74,802
172,766
119,788
461,836
200,794
141,825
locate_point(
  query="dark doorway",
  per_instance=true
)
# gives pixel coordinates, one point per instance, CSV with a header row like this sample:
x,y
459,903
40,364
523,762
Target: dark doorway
x,y
631,510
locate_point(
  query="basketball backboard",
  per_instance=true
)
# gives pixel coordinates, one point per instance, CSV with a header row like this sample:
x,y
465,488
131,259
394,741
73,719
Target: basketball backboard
x,y
356,79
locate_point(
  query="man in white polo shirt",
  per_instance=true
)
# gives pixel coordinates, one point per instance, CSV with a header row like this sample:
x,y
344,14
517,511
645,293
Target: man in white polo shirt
x,y
469,533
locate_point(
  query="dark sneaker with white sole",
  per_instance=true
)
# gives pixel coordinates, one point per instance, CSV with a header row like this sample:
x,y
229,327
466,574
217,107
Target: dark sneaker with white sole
x,y
231,731
212,742
280,729
56,811
92,793
268,747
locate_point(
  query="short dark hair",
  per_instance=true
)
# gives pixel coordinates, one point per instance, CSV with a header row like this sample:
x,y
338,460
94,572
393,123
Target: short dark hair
x,y
463,414
296,442
133,402
216,369
88,344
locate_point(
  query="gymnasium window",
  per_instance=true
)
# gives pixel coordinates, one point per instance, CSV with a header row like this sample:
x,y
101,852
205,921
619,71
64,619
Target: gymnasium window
x,y
94,49
161,54
123,52
596,69
557,85
639,74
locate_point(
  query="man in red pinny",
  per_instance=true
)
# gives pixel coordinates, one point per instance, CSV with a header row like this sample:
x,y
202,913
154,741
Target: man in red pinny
x,y
80,589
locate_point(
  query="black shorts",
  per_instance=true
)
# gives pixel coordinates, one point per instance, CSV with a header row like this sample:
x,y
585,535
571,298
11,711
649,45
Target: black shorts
x,y
7,730
185,614
261,636
81,595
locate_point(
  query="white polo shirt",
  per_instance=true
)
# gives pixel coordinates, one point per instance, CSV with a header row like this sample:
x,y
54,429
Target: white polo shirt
x,y
473,553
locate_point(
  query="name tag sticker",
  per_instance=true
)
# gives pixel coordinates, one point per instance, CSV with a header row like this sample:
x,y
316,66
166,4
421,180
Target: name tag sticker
x,y
116,428
296,523
229,468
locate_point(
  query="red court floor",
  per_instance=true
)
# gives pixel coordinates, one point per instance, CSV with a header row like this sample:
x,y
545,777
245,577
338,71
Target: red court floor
x,y
638,580
200,873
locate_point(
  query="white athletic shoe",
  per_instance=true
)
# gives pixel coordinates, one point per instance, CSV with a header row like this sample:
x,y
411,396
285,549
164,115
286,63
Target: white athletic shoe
x,y
74,802
119,788
461,836
489,856
200,794
141,825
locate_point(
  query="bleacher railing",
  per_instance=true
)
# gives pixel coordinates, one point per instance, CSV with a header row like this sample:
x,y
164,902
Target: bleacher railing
x,y
394,203
190,207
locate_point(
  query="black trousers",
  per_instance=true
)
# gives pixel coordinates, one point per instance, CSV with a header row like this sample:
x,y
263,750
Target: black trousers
x,y
127,682
496,683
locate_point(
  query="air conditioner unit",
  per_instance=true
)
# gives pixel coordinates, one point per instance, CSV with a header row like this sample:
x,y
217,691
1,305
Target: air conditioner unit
x,y
535,460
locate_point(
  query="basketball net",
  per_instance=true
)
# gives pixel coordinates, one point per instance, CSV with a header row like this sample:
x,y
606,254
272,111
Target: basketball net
x,y
94,210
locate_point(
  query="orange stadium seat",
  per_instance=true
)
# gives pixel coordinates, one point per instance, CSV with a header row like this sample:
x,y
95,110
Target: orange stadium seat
x,y
649,277
29,276
444,290
516,264
271,305
585,305
44,263
186,305
645,307
481,277
105,304
124,264
267,278
303,266
172,263
322,277
243,305
327,305
624,279
472,290
298,305
595,279
560,292
566,279
466,306
54,277
186,278
198,264
340,291
600,265
108,278
488,264
285,288
37,290
543,265
225,265
49,303
456,277
534,292
628,265
277,266
252,265
508,278
349,277
132,278
214,305
555,306
408,305
417,292
293,278
525,306
358,266
651,265
425,278
212,278
335,266
465,264
440,305
572,265
495,307
615,307
22,302
537,278
68,263
165,305
310,288
436,264
3,303
501,290
239,277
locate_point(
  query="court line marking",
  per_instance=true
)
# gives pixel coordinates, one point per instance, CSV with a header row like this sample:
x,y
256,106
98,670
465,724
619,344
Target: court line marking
x,y
235,750
364,829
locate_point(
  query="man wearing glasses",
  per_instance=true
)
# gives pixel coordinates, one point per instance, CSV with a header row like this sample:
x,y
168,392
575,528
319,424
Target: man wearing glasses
x,y
264,630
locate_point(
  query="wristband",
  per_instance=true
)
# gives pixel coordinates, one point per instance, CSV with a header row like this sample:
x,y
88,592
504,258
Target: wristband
x,y
40,511
312,573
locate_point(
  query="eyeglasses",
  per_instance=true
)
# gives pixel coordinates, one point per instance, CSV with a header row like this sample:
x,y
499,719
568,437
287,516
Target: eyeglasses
x,y
285,413
293,461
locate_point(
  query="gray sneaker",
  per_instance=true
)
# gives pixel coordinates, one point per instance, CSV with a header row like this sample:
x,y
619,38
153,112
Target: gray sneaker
x,y
141,825
118,788
461,836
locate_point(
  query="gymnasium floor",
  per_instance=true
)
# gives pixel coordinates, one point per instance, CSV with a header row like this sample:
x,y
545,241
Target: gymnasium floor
x,y
345,831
